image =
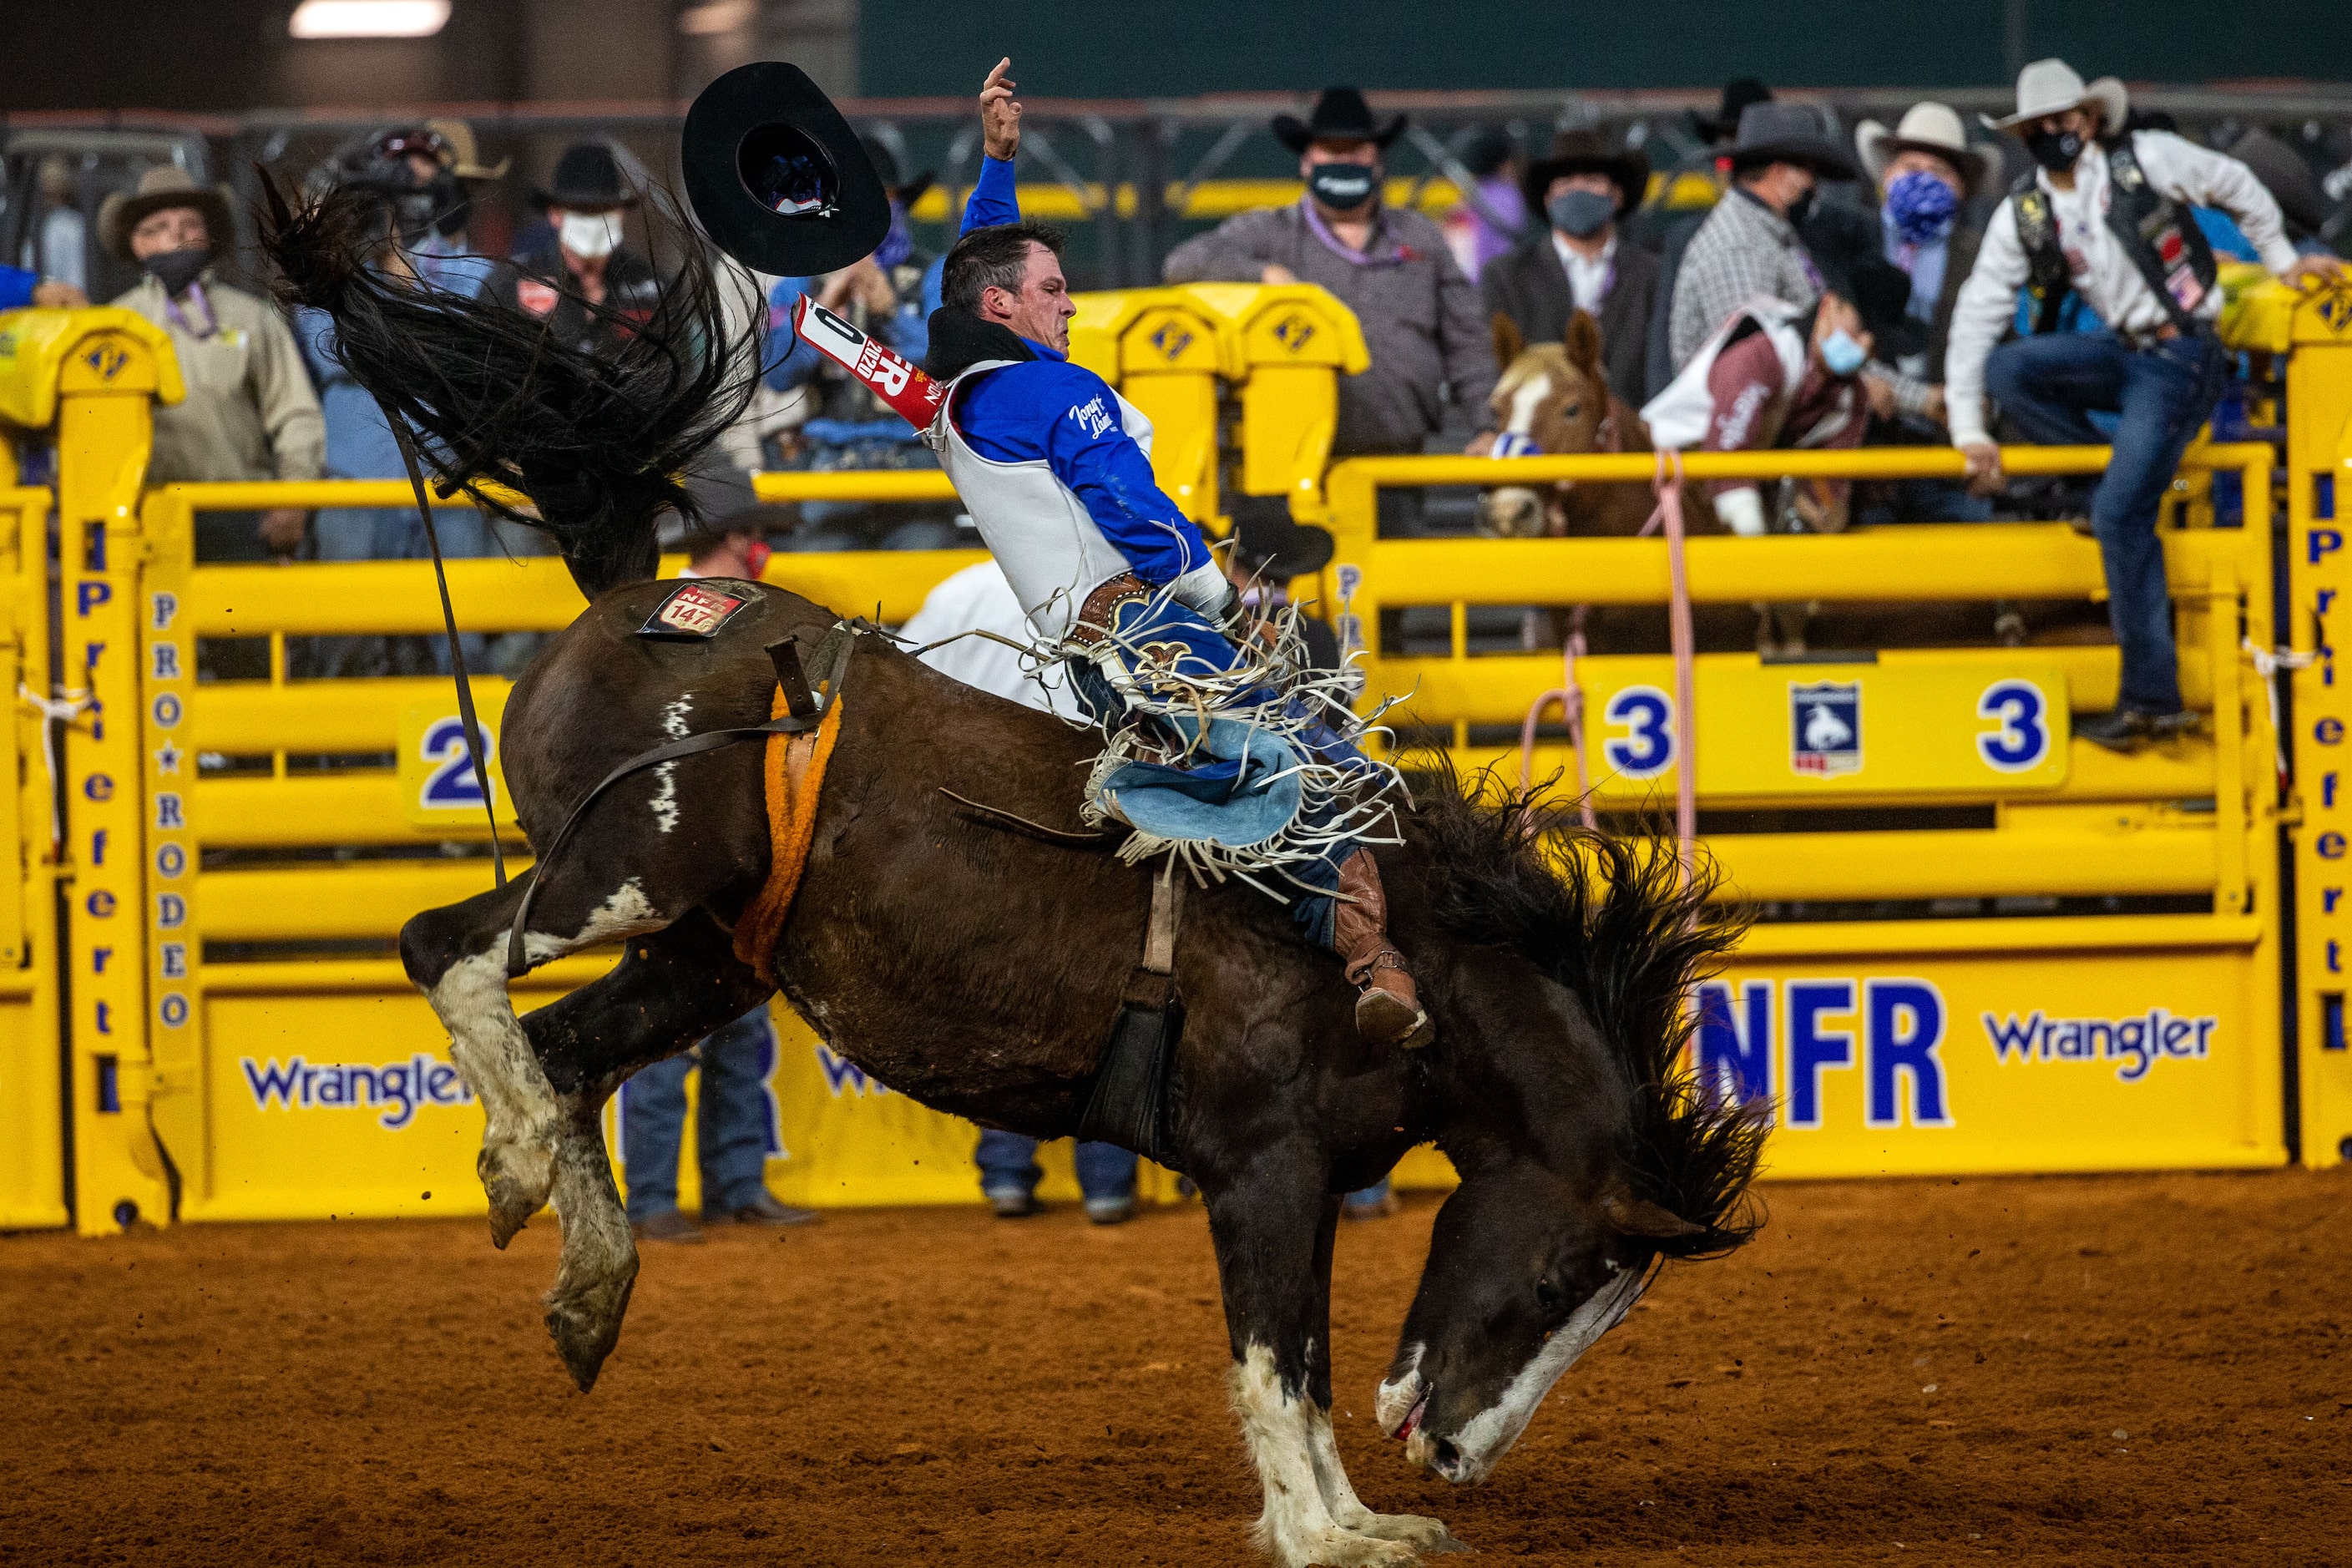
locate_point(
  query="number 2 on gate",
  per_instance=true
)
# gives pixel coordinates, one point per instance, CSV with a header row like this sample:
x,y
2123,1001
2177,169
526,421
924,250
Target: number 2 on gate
x,y
451,782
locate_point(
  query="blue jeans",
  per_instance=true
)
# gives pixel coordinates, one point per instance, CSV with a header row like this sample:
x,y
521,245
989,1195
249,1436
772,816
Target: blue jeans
x,y
1008,1162
2049,385
735,1120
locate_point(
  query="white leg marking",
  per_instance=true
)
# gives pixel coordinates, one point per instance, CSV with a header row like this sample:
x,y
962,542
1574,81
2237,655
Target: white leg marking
x,y
1397,1394
488,1042
1297,1527
1487,1436
1348,1511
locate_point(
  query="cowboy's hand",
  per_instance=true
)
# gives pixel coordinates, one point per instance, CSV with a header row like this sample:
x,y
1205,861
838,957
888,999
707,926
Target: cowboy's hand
x,y
1880,393
1276,272
282,529
2327,268
1984,467
1481,445
1000,112
56,296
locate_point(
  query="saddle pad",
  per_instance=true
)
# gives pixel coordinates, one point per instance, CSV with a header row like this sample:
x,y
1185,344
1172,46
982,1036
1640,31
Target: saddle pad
x,y
795,775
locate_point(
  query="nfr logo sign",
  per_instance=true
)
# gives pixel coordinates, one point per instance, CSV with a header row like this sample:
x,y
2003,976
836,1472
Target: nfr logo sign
x,y
1889,1028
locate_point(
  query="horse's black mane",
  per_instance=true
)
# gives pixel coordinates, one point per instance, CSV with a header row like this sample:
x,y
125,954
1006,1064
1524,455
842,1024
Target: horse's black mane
x,y
1608,918
599,442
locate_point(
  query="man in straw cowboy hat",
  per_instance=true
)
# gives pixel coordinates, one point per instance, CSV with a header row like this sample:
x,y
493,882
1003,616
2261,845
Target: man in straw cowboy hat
x,y
1420,316
1584,190
2105,214
250,413
1749,245
446,257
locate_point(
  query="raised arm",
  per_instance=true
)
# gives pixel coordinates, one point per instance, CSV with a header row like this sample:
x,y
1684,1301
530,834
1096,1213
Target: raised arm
x,y
993,198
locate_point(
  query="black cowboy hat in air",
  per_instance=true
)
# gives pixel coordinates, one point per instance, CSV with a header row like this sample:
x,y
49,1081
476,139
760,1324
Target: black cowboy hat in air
x,y
1589,153
1724,123
1340,115
587,178
777,177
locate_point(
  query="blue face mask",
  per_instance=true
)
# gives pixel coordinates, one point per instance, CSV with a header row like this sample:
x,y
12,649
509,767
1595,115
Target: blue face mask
x,y
1922,207
1580,214
1842,354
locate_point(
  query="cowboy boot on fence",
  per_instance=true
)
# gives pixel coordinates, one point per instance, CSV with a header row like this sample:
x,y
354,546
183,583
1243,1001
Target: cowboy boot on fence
x,y
1388,1011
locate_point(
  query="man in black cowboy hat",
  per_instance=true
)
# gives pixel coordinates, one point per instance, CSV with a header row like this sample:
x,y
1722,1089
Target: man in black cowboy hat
x,y
585,203
1421,317
1749,245
1583,190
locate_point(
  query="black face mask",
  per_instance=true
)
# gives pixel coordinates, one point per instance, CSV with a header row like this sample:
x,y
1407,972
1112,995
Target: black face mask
x,y
1800,209
1342,188
175,269
2054,149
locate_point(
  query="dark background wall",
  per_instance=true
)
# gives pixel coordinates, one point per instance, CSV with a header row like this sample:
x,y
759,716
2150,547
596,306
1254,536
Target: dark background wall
x,y
1122,48
229,55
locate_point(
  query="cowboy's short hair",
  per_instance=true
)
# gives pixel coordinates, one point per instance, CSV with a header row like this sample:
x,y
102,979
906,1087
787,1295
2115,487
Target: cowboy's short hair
x,y
996,257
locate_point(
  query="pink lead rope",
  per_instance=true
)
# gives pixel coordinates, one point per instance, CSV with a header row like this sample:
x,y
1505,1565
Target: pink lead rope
x,y
1571,698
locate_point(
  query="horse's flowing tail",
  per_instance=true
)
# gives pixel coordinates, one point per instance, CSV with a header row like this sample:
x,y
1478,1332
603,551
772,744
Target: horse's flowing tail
x,y
599,443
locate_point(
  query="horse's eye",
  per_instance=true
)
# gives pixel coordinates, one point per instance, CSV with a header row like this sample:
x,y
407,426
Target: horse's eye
x,y
1547,1295
1571,411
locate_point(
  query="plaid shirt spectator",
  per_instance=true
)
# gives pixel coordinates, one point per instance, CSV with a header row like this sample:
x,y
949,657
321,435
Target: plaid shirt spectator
x,y
1743,249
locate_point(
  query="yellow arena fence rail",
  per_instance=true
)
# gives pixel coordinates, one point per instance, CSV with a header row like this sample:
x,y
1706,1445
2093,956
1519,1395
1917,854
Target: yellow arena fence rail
x,y
243,1041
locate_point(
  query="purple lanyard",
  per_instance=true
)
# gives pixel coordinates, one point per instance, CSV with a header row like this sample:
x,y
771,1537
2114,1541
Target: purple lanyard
x,y
172,309
1345,253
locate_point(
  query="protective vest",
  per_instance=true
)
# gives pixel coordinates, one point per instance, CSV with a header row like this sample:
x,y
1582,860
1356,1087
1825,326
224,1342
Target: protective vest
x,y
2159,234
1677,417
1053,551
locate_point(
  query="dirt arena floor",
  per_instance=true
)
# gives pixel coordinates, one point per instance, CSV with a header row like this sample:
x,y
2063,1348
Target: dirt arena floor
x,y
2122,1370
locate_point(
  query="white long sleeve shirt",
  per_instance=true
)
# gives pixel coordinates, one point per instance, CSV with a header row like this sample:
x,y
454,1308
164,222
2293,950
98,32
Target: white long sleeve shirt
x,y
2103,273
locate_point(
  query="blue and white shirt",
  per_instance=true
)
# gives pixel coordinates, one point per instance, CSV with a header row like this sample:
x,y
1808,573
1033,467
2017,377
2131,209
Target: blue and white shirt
x,y
1055,466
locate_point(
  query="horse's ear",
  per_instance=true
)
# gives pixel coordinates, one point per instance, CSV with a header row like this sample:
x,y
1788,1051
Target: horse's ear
x,y
1583,340
1507,342
1628,1215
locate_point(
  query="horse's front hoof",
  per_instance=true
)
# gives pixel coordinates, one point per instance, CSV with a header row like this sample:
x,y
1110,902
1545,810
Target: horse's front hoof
x,y
517,1178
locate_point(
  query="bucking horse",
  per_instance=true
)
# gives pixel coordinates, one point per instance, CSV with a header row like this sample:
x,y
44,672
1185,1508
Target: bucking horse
x,y
979,965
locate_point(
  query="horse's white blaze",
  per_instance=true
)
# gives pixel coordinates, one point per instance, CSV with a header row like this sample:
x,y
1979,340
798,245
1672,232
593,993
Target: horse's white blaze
x,y
1527,402
1297,1526
1487,1436
664,801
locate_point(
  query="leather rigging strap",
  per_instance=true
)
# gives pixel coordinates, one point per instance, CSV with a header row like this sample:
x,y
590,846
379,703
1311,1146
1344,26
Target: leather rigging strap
x,y
466,715
791,724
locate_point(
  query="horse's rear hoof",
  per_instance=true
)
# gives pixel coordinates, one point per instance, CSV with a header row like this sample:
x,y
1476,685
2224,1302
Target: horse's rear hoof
x,y
516,1179
587,1325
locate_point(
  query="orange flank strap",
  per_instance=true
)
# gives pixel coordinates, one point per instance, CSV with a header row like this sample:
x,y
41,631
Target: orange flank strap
x,y
794,773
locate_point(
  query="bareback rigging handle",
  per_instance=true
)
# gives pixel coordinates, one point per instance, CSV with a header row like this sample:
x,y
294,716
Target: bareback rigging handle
x,y
804,713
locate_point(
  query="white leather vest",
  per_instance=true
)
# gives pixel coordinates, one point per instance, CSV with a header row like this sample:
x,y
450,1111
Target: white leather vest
x,y
1677,417
1039,530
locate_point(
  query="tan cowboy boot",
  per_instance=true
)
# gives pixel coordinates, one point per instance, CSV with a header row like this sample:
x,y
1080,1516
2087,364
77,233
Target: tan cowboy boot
x,y
1389,1012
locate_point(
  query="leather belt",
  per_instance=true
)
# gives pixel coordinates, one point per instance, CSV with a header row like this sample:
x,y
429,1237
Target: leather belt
x,y
1094,616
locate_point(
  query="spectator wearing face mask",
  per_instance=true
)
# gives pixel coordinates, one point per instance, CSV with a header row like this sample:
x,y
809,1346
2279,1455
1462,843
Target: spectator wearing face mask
x,y
1749,246
250,413
446,257
1775,375
2107,214
1926,172
587,204
843,426
1585,189
1421,320
1668,228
